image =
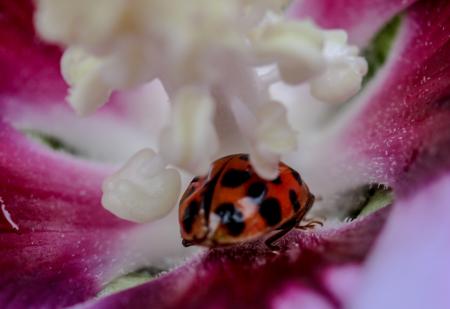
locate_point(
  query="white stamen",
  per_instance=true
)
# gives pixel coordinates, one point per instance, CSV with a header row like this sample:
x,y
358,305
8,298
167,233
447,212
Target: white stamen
x,y
295,46
269,133
132,63
273,132
265,163
344,73
273,137
82,72
76,63
143,190
203,52
191,140
81,21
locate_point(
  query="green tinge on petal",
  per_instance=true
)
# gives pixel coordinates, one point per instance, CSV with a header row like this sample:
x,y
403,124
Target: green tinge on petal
x,y
128,281
368,199
378,49
381,198
51,142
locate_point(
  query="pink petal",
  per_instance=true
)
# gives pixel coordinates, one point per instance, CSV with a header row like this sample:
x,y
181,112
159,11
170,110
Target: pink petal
x,y
409,265
65,242
360,18
400,128
58,246
297,296
251,276
27,65
395,131
343,281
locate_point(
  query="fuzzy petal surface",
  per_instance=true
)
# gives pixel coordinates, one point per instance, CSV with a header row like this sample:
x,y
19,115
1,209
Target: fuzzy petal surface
x,y
251,276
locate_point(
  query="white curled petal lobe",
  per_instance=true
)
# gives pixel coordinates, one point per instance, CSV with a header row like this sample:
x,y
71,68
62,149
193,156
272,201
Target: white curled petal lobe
x,y
143,190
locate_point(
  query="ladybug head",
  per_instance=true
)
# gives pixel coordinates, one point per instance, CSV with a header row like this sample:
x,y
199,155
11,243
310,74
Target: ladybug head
x,y
192,215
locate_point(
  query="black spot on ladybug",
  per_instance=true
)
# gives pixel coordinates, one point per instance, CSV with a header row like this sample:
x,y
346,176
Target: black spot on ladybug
x,y
293,197
270,210
189,215
190,190
244,157
277,181
186,194
257,190
297,177
209,191
195,179
231,217
234,178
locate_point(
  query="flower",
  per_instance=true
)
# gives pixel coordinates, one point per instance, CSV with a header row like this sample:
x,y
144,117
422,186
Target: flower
x,y
60,245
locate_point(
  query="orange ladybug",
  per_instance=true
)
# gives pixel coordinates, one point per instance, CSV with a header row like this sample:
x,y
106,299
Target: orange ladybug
x,y
232,204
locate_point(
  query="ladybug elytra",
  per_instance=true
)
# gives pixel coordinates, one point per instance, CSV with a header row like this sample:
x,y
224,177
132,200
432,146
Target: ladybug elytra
x,y
232,204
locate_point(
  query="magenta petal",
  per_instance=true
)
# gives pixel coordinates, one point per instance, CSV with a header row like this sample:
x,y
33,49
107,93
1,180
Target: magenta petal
x,y
343,281
27,65
56,242
64,245
295,295
251,276
360,18
58,246
400,130
409,267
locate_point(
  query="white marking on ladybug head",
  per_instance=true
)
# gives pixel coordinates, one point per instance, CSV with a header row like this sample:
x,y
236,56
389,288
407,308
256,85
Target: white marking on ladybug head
x,y
248,207
214,222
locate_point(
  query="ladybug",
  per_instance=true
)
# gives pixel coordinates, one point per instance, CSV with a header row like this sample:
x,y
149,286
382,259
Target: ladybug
x,y
232,204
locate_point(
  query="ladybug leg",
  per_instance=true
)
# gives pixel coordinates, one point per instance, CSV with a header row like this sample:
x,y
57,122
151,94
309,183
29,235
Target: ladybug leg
x,y
309,224
186,243
283,230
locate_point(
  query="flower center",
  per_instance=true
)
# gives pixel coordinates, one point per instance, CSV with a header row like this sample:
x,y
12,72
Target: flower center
x,y
210,56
